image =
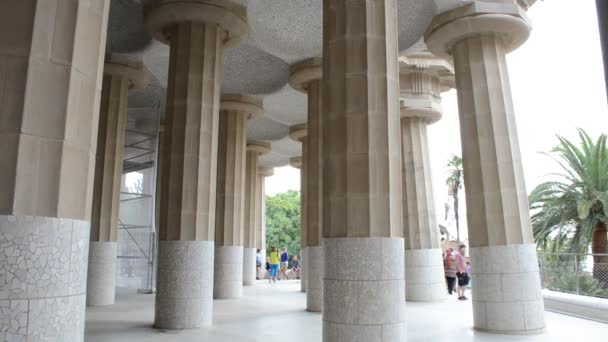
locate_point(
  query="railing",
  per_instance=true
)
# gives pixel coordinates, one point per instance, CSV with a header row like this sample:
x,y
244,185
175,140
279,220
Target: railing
x,y
581,274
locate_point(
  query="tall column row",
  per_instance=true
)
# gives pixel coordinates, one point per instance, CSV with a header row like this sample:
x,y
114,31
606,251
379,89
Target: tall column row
x,y
422,79
306,77
120,76
196,32
253,209
298,133
51,62
363,286
235,110
503,253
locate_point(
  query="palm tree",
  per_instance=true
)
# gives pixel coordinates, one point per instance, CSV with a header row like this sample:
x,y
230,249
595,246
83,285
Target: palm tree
x,y
454,182
570,213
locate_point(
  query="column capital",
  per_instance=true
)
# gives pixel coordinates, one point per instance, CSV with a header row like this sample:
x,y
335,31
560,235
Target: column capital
x,y
423,77
260,147
160,15
508,21
295,162
135,71
250,105
266,171
305,72
298,132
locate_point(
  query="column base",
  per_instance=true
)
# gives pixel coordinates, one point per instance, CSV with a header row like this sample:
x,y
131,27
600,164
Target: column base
x,y
249,268
304,273
184,285
101,277
314,287
424,275
44,278
364,290
228,278
507,296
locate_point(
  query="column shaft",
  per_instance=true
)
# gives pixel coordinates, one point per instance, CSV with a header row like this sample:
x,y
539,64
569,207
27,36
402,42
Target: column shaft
x,y
314,199
497,205
251,206
51,58
363,288
231,181
423,257
188,184
106,190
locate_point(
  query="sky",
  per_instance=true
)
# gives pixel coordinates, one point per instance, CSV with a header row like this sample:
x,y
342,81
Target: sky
x,y
557,83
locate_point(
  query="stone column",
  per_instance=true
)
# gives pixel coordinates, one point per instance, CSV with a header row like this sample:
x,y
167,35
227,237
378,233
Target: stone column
x,y
298,133
422,79
363,286
507,297
120,75
252,209
196,31
260,213
51,62
306,77
235,110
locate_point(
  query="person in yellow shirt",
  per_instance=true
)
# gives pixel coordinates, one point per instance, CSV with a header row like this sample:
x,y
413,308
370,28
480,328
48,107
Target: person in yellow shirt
x,y
274,265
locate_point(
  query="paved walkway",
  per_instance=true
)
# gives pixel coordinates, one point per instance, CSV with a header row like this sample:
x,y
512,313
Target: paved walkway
x,y
276,312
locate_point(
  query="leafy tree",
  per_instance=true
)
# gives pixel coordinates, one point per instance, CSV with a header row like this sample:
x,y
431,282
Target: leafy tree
x,y
283,221
454,183
570,213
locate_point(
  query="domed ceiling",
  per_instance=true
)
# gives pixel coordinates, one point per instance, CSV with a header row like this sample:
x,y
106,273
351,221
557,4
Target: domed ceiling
x,y
283,32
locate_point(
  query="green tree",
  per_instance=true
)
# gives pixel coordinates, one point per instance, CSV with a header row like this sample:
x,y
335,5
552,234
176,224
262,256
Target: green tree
x,y
454,183
283,221
570,213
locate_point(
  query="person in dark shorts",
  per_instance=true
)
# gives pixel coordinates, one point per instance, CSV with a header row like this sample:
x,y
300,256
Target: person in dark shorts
x,y
449,266
461,272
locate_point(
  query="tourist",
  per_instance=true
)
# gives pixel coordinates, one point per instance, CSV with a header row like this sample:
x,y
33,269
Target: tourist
x,y
274,265
449,267
295,267
267,265
461,272
258,263
284,262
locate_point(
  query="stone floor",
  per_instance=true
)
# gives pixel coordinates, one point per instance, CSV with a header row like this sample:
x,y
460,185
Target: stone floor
x,y
276,312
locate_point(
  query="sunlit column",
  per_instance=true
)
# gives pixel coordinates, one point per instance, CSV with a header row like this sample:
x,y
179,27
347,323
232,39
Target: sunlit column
x,y
507,298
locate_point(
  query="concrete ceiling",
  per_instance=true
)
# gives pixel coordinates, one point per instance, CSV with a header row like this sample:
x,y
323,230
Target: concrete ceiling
x,y
282,33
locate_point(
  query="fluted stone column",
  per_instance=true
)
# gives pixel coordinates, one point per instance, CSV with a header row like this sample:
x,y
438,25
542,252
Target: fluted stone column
x,y
196,32
422,79
51,62
507,297
235,110
298,133
306,77
252,209
120,75
363,286
260,213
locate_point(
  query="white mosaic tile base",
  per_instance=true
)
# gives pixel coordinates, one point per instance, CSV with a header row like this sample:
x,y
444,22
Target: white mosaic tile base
x,y
101,280
507,296
43,276
314,287
249,266
184,297
364,290
424,275
228,278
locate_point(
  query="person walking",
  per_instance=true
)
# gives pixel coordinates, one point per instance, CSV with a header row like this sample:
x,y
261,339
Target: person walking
x,y
461,272
274,265
284,262
449,266
258,264
295,267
